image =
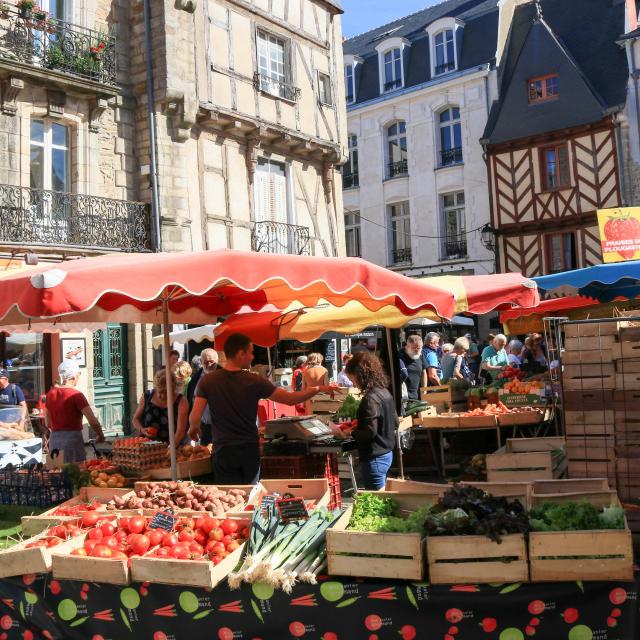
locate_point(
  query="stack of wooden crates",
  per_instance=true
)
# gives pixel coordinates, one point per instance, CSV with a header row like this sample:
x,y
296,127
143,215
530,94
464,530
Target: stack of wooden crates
x,y
601,401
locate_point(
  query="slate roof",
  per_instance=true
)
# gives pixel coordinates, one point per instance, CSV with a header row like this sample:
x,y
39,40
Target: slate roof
x,y
580,47
478,42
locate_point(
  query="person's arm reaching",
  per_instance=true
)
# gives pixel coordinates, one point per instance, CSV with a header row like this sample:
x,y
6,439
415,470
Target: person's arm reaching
x,y
87,412
296,397
138,415
195,417
181,420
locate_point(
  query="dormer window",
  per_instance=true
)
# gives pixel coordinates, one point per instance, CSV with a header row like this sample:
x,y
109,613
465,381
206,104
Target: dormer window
x,y
392,69
543,88
445,38
351,70
445,52
392,58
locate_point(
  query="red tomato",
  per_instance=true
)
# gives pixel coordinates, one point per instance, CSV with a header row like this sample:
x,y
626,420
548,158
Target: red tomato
x,y
232,546
141,544
121,536
79,552
123,523
155,536
186,535
169,540
216,534
120,555
107,528
37,543
89,519
205,524
227,539
245,533
74,531
111,542
101,551
217,548
54,542
59,532
229,526
137,524
162,552
195,547
95,534
89,544
180,552
200,537
215,559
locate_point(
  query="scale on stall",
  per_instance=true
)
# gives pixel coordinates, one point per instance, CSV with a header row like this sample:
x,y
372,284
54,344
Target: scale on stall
x,y
297,428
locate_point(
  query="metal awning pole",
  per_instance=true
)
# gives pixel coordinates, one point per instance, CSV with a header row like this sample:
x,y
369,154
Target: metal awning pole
x,y
170,395
394,390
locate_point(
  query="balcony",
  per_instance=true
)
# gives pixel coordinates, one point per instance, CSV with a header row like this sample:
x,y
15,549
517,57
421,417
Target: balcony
x,y
400,256
39,42
279,237
450,157
453,248
350,180
277,88
443,68
393,84
31,217
398,169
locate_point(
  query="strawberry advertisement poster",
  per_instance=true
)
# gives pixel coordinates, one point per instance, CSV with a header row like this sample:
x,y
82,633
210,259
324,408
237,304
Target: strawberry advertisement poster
x,y
619,233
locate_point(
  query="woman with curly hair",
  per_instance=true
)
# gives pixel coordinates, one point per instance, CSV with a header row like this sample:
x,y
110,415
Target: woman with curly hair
x,y
377,418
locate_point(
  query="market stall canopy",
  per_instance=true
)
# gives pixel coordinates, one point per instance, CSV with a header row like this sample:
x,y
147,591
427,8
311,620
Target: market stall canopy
x,y
197,334
200,285
602,282
477,294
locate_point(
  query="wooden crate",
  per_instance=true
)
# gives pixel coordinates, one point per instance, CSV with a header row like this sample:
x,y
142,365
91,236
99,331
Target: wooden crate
x,y
513,490
412,486
471,422
559,556
588,399
32,525
477,559
526,417
589,344
625,400
438,396
628,478
586,356
18,560
315,490
67,567
591,448
325,406
593,469
599,497
625,350
628,380
592,329
587,423
627,366
589,376
525,459
628,331
188,469
569,485
442,421
397,555
186,573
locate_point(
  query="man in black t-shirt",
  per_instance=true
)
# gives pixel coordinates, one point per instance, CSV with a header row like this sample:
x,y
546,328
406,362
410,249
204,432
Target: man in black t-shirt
x,y
413,371
232,394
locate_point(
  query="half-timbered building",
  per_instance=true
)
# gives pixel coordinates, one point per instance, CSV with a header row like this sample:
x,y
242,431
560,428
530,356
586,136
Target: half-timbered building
x,y
552,142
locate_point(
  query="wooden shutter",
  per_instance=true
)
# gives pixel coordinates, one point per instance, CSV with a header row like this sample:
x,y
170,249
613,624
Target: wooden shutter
x,y
562,155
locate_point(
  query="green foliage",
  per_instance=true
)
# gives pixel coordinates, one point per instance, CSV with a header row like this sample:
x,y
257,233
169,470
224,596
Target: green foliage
x,y
349,408
575,516
372,512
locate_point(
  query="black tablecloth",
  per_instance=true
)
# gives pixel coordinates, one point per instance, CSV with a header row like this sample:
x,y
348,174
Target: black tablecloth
x,y
34,607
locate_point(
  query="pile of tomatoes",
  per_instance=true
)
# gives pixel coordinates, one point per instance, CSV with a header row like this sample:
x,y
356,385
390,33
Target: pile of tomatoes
x,y
57,534
203,538
76,509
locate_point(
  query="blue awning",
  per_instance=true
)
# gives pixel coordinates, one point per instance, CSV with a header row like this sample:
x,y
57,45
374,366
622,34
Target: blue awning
x,y
603,282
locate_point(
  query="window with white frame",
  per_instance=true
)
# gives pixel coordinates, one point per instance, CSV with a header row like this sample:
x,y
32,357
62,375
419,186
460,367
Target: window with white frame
x,y
55,8
392,60
450,136
400,233
49,156
397,164
352,233
274,66
350,177
454,238
349,83
324,89
445,51
270,193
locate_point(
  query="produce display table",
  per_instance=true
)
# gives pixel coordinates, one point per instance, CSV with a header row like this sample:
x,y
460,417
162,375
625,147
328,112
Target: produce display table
x,y
336,609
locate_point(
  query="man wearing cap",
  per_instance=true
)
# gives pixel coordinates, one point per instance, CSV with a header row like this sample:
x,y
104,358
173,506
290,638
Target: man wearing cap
x,y
11,394
65,409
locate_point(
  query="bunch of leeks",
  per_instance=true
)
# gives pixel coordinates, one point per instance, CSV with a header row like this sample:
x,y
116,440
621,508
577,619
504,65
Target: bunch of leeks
x,y
283,553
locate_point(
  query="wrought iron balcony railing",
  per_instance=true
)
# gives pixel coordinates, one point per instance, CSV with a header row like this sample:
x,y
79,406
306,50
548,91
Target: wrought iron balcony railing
x,y
443,68
280,237
397,169
58,219
350,180
277,88
454,248
399,256
393,84
33,38
450,156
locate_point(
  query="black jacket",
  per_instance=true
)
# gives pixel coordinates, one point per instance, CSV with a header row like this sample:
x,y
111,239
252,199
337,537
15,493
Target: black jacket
x,y
377,423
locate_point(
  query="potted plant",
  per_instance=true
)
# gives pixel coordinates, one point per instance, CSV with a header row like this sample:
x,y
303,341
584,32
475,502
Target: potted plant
x,y
51,25
25,8
40,16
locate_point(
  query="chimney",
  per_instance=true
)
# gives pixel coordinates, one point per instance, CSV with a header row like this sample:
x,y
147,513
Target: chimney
x,y
506,10
631,17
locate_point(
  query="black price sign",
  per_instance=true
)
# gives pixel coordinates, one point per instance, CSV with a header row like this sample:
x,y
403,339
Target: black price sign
x,y
267,503
163,520
292,509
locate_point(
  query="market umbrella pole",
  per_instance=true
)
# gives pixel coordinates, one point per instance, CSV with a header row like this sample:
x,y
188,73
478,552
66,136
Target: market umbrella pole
x,y
394,389
167,368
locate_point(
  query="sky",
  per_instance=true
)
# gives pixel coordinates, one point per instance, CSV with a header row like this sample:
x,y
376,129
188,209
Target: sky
x,y
364,15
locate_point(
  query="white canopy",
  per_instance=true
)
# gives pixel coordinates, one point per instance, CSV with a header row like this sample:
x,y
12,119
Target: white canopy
x,y
197,334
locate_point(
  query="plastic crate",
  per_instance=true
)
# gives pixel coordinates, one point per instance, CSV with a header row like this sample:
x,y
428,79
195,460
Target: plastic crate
x,y
335,496
286,467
